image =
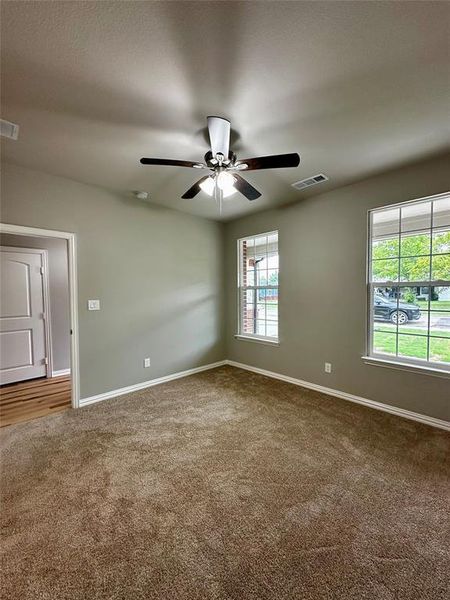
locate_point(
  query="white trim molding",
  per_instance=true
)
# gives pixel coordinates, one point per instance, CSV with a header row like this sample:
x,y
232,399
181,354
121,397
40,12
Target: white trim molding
x,y
146,384
254,338
391,364
73,292
394,410
61,373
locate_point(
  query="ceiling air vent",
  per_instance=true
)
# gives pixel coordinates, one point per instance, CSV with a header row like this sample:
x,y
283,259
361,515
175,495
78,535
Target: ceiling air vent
x,y
304,183
9,130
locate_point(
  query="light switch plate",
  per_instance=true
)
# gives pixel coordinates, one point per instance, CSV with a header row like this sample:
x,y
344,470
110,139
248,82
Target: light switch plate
x,y
93,304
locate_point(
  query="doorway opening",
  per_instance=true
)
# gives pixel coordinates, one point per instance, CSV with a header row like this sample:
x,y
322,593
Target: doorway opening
x,y
38,323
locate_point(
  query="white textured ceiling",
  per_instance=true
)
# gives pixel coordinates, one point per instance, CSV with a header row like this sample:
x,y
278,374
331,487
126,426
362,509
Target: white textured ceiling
x,y
354,87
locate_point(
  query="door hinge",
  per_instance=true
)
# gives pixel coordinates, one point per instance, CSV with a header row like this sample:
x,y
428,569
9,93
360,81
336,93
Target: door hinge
x,y
46,360
42,270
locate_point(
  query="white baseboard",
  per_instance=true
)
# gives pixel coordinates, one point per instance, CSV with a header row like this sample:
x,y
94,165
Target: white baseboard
x,y
61,373
146,384
394,410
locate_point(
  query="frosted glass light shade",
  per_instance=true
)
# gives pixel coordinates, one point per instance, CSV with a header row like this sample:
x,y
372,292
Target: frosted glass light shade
x,y
225,182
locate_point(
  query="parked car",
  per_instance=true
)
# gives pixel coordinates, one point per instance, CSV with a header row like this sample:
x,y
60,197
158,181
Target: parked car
x,y
385,309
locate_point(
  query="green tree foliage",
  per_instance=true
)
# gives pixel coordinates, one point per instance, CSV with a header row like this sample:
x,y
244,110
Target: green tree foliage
x,y
273,278
413,251
408,295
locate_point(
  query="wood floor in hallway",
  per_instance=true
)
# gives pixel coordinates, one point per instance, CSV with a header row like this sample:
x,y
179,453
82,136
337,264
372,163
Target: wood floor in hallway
x,y
26,400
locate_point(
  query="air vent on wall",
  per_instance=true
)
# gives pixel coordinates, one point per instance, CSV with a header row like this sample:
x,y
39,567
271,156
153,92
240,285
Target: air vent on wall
x,y
304,183
9,130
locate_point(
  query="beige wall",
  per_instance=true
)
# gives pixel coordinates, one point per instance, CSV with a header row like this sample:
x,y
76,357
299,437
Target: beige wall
x,y
159,276
58,279
322,242
157,272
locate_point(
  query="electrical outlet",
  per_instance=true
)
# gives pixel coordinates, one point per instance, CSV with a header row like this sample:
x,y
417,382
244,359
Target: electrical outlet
x,y
93,304
327,367
146,363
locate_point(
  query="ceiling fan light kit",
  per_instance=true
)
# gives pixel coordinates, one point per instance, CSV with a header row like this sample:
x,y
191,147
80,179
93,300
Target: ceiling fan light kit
x,y
224,179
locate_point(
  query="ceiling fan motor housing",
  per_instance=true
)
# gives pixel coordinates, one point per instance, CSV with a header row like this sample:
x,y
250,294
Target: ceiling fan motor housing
x,y
212,161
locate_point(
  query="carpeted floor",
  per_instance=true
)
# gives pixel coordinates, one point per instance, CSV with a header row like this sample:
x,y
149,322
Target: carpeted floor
x,y
228,486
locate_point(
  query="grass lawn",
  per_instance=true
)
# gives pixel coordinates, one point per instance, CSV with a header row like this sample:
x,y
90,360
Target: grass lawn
x,y
413,346
272,310
412,329
434,304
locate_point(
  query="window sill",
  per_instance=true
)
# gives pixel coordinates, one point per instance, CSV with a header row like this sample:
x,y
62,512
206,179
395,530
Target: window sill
x,y
248,338
381,362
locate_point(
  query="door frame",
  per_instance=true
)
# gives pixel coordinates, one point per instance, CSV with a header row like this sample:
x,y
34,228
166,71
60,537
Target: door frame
x,y
45,301
73,293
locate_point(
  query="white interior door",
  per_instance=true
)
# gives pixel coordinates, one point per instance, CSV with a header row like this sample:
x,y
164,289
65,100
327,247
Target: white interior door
x,y
22,324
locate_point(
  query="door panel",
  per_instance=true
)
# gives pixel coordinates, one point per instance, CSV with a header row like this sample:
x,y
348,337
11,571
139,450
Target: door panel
x,y
15,290
22,326
16,349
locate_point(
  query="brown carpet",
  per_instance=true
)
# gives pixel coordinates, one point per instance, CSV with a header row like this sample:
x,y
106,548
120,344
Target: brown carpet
x,y
228,486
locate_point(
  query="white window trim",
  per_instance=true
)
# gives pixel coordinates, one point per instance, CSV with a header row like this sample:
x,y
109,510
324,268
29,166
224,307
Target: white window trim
x,y
384,360
379,360
247,337
258,339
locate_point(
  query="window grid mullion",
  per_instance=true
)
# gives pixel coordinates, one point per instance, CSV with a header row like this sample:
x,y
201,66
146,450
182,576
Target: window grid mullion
x,y
410,256
260,268
398,274
409,352
431,275
429,282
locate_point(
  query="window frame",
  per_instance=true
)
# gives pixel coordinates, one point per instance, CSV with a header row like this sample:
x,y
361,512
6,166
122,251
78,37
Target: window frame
x,y
253,337
394,361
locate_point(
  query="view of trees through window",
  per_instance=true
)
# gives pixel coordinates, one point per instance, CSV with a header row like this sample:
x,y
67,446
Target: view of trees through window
x,y
409,282
258,286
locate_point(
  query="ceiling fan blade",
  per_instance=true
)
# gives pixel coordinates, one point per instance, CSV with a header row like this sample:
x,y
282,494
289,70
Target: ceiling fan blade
x,y
172,163
195,189
277,161
219,135
245,188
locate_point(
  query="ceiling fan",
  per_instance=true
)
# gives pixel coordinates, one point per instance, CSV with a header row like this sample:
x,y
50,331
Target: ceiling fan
x,y
224,178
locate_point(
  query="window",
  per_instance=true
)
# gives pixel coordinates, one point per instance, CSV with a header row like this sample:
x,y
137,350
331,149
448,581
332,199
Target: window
x,y
409,283
258,286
